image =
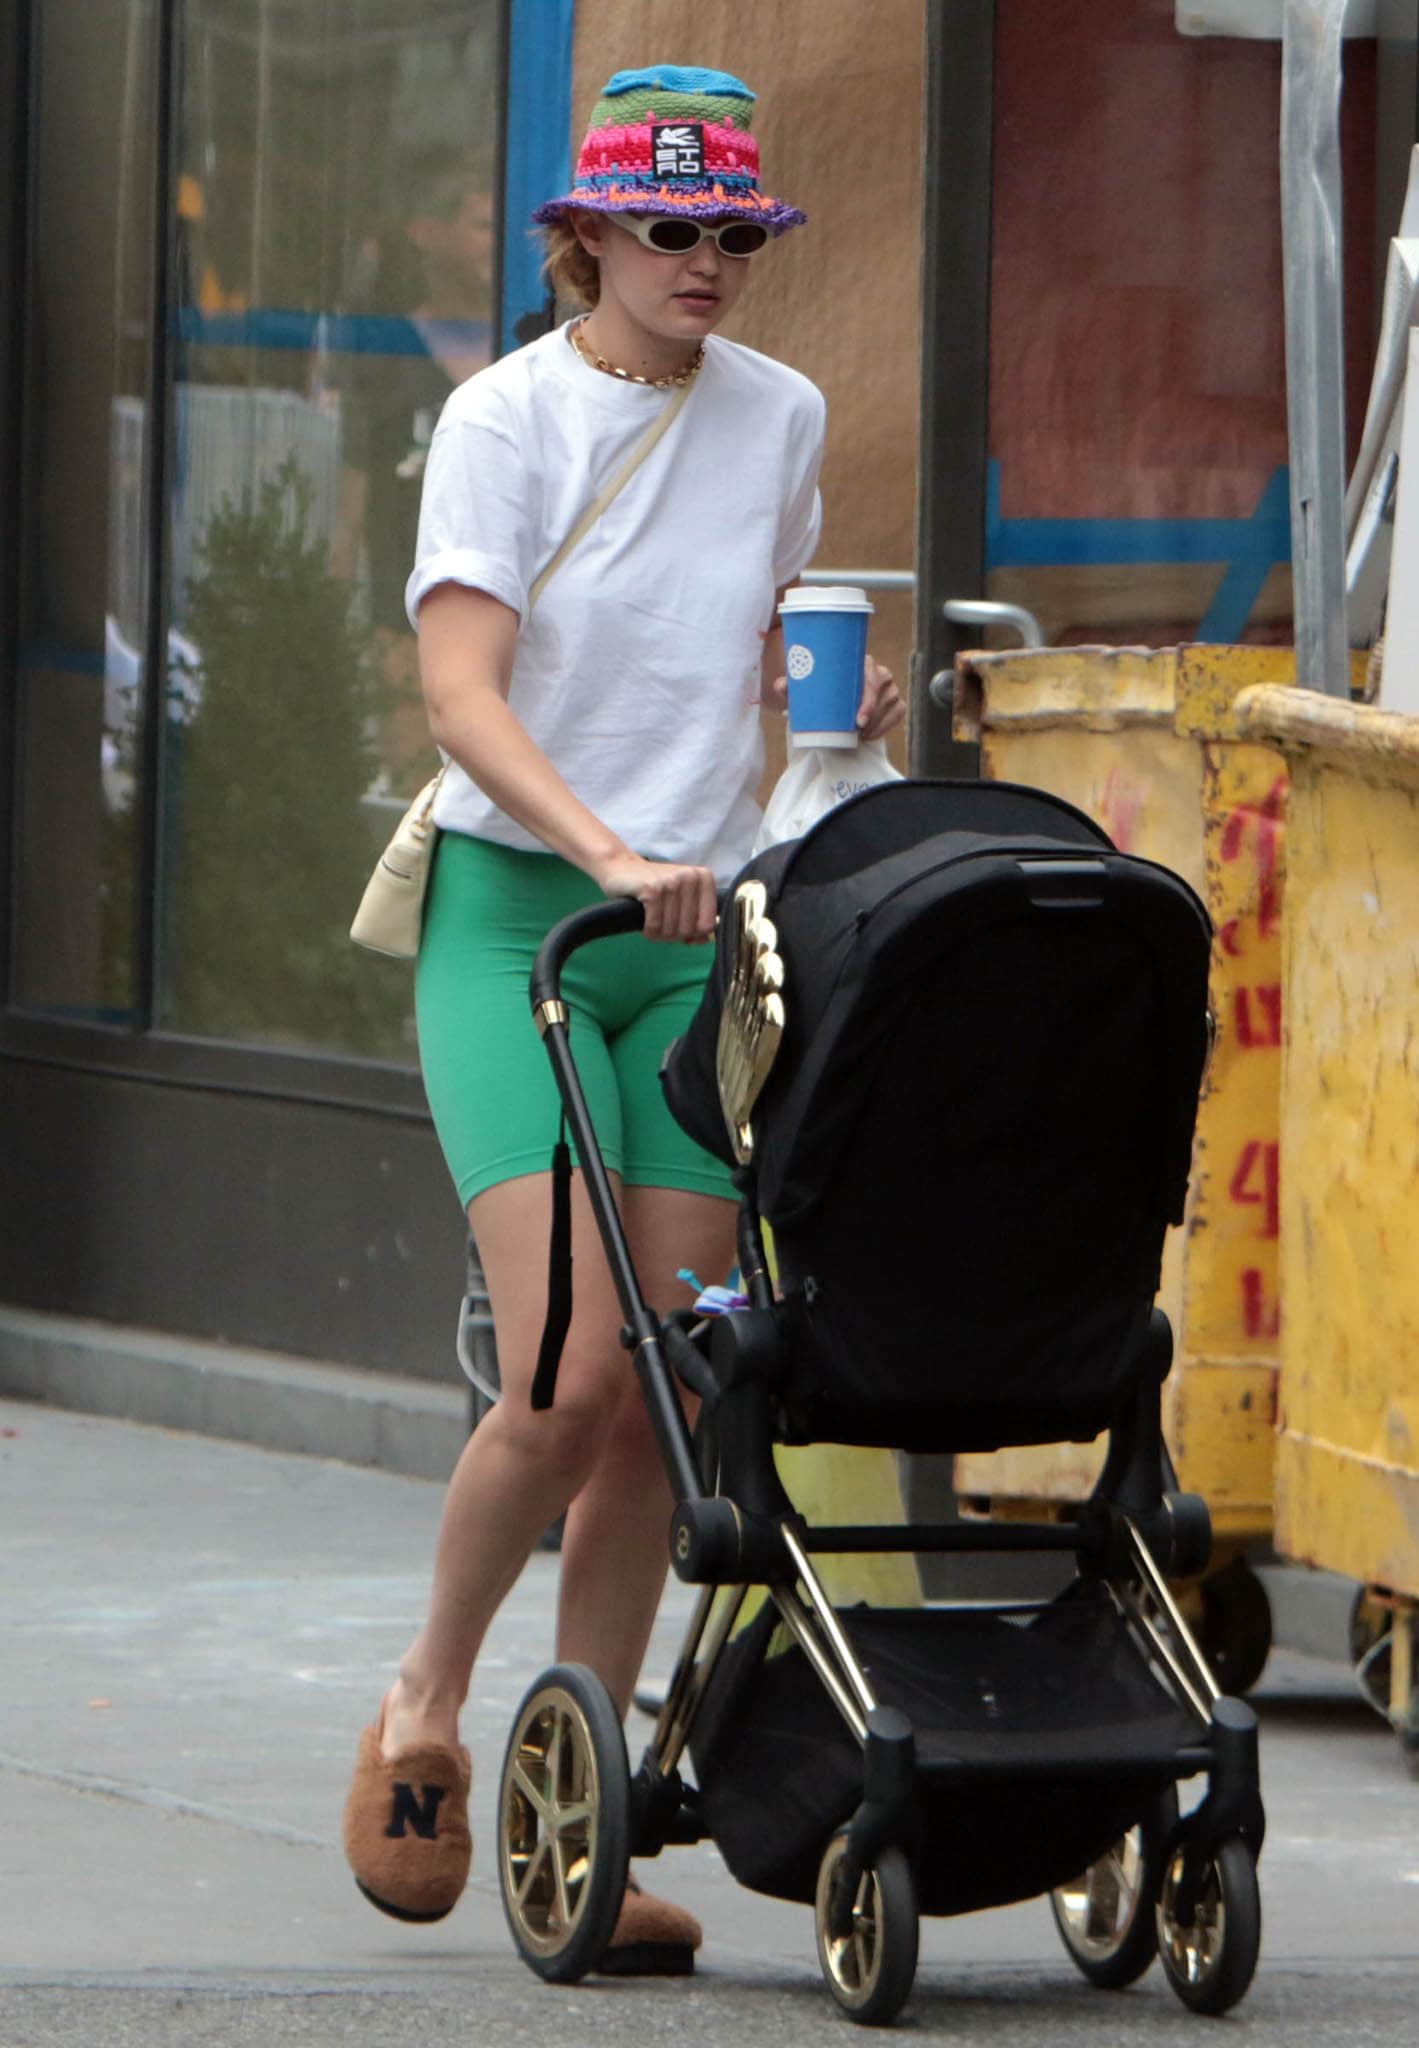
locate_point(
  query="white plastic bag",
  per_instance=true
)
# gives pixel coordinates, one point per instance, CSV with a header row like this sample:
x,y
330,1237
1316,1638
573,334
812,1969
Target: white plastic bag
x,y
816,781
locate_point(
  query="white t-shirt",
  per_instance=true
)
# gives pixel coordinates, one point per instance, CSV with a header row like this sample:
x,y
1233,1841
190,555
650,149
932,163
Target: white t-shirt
x,y
638,672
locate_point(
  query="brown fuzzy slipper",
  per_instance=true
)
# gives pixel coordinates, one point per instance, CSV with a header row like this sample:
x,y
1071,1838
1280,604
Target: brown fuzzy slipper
x,y
406,1828
652,1938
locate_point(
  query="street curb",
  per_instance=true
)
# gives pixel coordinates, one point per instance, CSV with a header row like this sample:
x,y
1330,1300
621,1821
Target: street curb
x,y
413,1427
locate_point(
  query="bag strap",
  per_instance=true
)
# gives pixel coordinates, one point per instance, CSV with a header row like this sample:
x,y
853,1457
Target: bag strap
x,y
658,426
559,1275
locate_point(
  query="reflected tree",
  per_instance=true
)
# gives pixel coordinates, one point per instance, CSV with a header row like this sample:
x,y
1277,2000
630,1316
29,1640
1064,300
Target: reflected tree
x,y
270,837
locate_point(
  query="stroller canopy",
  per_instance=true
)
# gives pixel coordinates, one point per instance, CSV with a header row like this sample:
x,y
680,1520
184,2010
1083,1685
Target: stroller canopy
x,y
866,906
979,1120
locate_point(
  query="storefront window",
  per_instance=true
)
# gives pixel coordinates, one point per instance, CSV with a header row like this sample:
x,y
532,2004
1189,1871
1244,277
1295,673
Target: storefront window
x,y
84,568
336,234
332,249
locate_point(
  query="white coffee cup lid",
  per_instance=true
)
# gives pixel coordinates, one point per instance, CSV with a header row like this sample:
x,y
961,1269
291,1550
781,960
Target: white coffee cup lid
x,y
827,597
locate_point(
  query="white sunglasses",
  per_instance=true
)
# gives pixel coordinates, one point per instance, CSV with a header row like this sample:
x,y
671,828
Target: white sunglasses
x,y
670,237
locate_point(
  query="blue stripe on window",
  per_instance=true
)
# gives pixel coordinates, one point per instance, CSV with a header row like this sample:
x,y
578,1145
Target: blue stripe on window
x,y
1248,549
69,661
364,334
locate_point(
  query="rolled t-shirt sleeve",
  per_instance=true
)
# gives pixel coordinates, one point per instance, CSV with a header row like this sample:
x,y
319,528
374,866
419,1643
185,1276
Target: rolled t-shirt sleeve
x,y
802,516
475,516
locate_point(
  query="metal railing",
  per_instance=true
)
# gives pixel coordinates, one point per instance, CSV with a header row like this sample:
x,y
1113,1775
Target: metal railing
x,y
961,611
863,579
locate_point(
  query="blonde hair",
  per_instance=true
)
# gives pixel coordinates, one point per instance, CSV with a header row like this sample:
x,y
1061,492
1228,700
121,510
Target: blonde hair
x,y
571,271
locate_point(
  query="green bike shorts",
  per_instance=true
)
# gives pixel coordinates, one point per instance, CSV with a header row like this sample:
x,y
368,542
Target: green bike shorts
x,y
486,1074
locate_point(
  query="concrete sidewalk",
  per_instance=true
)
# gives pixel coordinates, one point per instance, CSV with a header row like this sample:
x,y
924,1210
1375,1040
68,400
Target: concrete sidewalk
x,y
196,1631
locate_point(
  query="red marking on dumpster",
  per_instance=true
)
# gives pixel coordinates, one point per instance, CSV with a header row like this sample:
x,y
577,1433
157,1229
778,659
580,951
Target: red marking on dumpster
x,y
1256,1014
1260,827
1256,1183
1260,1317
1120,808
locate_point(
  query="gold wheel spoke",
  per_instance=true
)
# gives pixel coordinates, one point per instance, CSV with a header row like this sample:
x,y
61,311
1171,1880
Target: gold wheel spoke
x,y
865,1928
563,1818
554,1758
564,1901
529,1875
1107,1890
533,1794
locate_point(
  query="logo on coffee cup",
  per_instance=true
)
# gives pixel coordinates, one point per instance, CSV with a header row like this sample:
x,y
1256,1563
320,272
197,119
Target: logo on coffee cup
x,y
800,663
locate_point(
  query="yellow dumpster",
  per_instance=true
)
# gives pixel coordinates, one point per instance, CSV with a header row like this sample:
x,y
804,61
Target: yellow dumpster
x,y
1146,742
1347,1454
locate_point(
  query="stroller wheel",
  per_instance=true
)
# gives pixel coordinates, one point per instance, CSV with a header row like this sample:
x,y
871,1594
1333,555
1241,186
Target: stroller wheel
x,y
564,1824
1105,1917
1211,1963
870,1969
1235,1627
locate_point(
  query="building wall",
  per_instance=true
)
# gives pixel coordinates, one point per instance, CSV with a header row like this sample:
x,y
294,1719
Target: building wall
x,y
840,129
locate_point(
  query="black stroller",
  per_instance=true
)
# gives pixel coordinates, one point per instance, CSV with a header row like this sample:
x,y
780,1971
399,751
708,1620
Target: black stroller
x,y
952,1043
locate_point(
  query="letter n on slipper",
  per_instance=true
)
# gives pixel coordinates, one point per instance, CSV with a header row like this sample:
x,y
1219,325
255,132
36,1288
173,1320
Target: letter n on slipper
x,y
406,1828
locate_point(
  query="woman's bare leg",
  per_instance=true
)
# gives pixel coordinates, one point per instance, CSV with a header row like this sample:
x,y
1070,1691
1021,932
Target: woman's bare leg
x,y
519,1469
594,1449
616,1545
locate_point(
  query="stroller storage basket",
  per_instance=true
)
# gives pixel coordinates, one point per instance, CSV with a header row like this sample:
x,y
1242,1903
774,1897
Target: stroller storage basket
x,y
1012,1716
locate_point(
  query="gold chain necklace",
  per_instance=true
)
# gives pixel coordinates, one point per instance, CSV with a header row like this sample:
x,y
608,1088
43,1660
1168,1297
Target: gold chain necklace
x,y
589,355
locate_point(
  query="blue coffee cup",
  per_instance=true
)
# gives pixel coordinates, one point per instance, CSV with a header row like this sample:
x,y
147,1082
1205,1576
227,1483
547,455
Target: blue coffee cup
x,y
825,645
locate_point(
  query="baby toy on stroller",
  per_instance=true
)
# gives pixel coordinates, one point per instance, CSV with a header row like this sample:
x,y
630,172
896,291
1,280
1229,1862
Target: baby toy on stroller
x,y
952,1042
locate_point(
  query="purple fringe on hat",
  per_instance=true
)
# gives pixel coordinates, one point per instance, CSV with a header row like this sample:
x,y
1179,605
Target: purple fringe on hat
x,y
655,198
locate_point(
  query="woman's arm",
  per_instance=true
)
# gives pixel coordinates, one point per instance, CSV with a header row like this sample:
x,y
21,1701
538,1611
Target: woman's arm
x,y
467,641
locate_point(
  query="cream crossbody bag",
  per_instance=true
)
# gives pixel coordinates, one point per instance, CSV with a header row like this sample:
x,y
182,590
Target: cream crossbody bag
x,y
391,912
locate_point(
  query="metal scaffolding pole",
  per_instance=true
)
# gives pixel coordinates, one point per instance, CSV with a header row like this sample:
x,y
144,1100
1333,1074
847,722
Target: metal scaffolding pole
x,y
1315,397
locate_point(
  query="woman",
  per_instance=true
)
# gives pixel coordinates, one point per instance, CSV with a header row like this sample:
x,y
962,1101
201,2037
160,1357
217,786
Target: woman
x,y
605,743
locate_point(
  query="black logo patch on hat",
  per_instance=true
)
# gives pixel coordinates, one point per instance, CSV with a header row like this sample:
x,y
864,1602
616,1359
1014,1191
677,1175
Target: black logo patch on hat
x,y
677,149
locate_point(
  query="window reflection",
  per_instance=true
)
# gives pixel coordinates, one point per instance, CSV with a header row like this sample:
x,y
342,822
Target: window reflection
x,y
426,299
336,253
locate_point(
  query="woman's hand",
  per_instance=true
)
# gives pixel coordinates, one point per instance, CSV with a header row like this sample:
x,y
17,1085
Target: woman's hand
x,y
881,707
680,902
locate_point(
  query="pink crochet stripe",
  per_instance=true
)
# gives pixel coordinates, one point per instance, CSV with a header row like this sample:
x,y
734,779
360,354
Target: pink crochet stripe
x,y
727,148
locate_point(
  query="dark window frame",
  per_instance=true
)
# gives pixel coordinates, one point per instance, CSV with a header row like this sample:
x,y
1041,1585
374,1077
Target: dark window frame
x,y
16,117
955,356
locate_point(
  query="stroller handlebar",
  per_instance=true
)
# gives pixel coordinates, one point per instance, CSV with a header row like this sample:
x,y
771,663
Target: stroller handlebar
x,y
598,921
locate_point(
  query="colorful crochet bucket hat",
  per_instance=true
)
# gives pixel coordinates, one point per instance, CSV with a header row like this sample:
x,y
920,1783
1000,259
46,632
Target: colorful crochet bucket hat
x,y
672,139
